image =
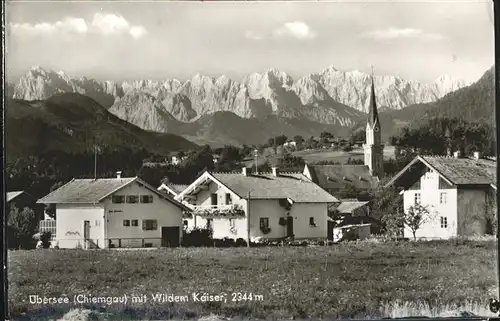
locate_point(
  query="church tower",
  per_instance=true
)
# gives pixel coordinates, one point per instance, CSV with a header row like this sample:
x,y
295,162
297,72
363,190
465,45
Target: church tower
x,y
373,148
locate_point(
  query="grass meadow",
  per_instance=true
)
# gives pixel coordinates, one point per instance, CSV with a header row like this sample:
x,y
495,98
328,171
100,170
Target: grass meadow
x,y
353,280
313,156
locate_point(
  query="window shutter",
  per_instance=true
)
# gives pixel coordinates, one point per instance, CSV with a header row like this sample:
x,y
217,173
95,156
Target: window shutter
x,y
144,225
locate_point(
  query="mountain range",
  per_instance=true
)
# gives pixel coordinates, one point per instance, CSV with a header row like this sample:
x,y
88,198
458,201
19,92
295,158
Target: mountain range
x,y
222,111
330,92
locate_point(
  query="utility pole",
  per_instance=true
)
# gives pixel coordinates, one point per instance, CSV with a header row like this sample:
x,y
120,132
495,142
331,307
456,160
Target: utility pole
x,y
95,162
248,219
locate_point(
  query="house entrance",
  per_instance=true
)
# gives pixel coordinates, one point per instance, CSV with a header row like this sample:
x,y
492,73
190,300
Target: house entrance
x,y
330,226
170,236
86,233
289,226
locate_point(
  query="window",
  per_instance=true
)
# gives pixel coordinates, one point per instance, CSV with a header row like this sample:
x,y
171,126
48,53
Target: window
x,y
118,199
149,225
126,222
214,199
417,198
444,222
135,222
146,198
229,201
132,199
96,222
442,198
185,223
312,222
264,222
232,223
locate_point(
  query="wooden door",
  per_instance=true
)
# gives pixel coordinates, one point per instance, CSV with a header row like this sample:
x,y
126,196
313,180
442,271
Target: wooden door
x,y
170,236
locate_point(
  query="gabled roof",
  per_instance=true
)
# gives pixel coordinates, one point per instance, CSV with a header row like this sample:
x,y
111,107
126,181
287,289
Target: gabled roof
x,y
173,188
456,171
337,176
293,186
350,206
91,191
12,195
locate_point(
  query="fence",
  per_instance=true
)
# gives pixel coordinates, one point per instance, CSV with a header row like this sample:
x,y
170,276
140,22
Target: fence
x,y
48,226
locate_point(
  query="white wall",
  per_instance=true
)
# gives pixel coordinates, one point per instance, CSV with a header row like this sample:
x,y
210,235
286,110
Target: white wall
x,y
69,224
301,213
430,195
166,214
273,211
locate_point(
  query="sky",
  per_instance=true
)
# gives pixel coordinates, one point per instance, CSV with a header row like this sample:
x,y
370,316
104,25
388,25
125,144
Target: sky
x,y
117,40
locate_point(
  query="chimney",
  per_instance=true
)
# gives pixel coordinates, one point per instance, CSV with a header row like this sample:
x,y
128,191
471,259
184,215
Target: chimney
x,y
456,154
244,171
275,171
477,155
119,174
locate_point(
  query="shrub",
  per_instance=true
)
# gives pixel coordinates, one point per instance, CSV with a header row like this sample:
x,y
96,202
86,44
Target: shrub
x,y
240,242
45,238
198,237
21,226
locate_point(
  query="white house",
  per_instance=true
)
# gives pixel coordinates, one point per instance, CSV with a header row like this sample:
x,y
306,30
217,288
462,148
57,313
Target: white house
x,y
115,212
458,192
265,205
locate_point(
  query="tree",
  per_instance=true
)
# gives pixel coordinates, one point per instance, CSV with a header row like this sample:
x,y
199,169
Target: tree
x,y
326,135
50,209
280,140
358,135
416,216
299,140
230,155
22,226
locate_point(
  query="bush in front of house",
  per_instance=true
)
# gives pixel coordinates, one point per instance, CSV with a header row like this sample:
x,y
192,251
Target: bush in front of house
x,y
198,237
240,242
45,238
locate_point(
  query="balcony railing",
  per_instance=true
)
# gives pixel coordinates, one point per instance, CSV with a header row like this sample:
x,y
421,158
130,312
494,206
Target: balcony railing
x,y
219,211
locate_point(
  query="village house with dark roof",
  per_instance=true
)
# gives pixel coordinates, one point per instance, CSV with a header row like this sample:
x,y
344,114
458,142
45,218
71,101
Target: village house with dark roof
x,y
334,178
115,212
458,191
258,205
